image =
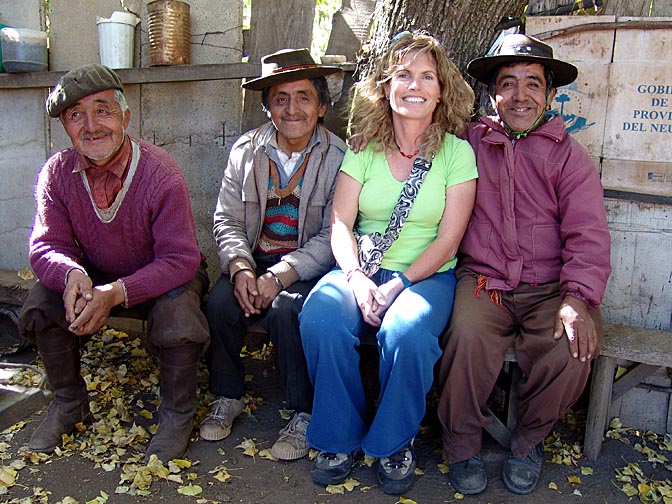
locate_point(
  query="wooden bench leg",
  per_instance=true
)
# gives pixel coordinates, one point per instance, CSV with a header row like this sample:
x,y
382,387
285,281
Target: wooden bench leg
x,y
598,407
498,430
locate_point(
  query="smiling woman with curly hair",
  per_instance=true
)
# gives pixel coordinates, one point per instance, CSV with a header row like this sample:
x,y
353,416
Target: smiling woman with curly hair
x,y
405,198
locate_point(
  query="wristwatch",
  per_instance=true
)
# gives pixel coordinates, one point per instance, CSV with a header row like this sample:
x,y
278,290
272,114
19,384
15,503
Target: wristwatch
x,y
402,277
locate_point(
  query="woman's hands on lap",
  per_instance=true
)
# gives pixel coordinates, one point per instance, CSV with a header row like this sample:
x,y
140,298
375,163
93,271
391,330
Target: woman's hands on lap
x,y
370,299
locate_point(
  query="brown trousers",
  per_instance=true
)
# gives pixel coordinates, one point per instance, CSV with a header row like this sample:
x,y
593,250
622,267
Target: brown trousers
x,y
173,319
478,336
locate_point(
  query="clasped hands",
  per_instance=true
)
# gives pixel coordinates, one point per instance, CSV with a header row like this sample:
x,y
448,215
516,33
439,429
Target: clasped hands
x,y
87,307
373,300
254,293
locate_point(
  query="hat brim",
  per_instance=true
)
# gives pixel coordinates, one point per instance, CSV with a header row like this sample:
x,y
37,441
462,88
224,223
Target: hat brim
x,y
481,68
289,76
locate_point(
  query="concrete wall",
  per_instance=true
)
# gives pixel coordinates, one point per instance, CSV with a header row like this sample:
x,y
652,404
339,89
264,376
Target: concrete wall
x,y
196,122
23,143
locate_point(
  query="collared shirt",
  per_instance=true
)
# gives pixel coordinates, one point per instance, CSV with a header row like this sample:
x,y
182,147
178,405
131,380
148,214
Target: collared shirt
x,y
106,181
287,165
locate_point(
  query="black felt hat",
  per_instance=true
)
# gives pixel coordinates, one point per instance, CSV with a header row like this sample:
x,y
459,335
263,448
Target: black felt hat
x,y
518,47
288,65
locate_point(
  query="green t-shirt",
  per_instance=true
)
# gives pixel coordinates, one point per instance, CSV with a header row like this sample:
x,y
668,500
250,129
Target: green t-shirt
x,y
455,163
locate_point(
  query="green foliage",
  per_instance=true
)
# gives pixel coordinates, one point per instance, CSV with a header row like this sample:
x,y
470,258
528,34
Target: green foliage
x,y
324,11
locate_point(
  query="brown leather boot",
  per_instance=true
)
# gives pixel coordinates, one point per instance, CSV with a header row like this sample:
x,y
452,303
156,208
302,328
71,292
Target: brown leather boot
x,y
60,354
178,369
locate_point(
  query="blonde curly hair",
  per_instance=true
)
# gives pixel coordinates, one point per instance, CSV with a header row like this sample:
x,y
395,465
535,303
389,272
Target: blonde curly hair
x,y
370,115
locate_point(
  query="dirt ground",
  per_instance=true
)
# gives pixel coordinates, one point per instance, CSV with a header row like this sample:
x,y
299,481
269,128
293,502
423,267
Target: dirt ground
x,y
73,477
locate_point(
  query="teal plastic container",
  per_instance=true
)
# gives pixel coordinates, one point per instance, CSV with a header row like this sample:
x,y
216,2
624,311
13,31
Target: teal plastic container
x,y
2,69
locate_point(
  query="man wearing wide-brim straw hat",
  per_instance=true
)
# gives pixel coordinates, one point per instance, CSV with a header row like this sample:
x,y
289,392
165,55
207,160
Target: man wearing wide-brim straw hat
x,y
272,228
534,269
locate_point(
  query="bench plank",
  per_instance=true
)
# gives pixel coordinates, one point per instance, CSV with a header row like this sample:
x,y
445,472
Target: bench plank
x,y
637,344
13,289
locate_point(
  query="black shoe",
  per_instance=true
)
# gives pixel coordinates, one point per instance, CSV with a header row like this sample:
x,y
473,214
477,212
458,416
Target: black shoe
x,y
468,476
395,473
332,468
521,475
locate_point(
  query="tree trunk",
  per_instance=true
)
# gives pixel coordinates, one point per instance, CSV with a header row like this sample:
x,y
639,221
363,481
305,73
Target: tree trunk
x,y
466,27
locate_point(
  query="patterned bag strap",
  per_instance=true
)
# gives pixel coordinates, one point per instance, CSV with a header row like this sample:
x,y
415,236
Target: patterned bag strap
x,y
406,199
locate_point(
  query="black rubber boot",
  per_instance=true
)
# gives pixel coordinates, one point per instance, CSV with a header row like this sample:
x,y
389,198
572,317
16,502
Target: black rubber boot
x,y
178,369
59,351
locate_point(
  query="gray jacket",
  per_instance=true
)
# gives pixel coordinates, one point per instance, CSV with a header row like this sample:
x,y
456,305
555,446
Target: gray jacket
x,y
241,206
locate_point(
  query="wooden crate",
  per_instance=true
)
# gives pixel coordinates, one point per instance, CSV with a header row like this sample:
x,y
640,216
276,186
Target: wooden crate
x,y
583,105
644,177
639,116
638,292
593,45
643,45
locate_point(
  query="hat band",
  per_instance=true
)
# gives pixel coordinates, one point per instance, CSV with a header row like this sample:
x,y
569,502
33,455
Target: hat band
x,y
293,67
525,49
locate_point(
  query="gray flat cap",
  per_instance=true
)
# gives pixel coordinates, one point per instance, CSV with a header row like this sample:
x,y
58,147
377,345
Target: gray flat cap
x,y
78,83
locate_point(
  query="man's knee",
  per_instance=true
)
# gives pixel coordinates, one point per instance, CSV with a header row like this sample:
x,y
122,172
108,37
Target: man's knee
x,y
177,320
221,305
42,310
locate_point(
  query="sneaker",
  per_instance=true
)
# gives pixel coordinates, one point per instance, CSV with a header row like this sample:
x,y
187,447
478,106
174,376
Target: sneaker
x,y
332,468
292,444
521,474
217,423
468,476
395,473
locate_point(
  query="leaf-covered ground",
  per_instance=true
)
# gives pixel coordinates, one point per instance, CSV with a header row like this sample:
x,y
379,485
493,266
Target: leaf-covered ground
x,y
102,461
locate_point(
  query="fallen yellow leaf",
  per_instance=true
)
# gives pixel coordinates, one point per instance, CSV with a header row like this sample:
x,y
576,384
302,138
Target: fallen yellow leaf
x,y
266,454
7,476
25,274
574,479
190,490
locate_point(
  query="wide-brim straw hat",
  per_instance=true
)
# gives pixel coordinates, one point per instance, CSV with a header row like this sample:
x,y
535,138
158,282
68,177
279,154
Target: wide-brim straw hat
x,y
517,48
288,65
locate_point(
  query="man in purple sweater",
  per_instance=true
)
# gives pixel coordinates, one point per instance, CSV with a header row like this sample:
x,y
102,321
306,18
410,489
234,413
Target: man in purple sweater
x,y
114,234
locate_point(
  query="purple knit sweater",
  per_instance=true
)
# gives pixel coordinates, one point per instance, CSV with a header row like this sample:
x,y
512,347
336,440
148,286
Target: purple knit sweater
x,y
150,243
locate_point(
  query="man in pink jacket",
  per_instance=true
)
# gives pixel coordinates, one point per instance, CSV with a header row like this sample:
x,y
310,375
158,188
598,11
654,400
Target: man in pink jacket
x,y
534,269
113,234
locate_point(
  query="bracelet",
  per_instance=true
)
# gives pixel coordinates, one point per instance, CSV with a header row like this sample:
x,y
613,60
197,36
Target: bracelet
x,y
349,273
403,278
278,282
123,288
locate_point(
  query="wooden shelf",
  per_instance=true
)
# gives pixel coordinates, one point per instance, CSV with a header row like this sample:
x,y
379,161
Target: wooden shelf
x,y
149,75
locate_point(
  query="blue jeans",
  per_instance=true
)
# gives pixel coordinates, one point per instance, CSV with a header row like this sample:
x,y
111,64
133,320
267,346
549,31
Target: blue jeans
x,y
408,347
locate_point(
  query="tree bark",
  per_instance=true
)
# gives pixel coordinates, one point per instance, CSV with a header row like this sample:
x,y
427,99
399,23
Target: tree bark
x,y
465,27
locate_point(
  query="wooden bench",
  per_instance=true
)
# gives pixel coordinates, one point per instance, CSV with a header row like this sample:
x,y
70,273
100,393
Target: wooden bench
x,y
649,349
